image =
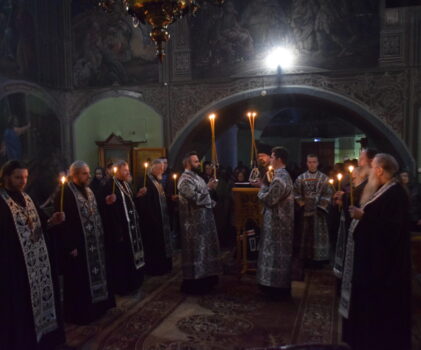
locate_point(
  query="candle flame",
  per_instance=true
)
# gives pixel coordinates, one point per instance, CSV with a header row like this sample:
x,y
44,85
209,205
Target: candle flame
x,y
174,176
212,116
63,180
331,181
146,164
115,170
351,168
270,167
339,176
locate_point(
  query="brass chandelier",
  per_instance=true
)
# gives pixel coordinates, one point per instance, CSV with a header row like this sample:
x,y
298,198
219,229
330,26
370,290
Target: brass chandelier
x,y
159,14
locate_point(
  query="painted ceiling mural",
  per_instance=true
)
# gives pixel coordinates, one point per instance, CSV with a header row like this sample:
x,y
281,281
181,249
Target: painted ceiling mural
x,y
323,34
18,57
109,50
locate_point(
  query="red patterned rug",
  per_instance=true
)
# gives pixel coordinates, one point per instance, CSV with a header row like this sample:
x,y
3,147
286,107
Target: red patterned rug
x,y
235,316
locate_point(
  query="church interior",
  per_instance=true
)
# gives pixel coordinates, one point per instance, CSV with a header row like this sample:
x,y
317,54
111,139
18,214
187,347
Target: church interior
x,y
105,81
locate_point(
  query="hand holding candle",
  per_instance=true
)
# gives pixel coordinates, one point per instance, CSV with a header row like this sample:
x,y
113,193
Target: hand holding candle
x,y
63,182
339,177
269,173
331,182
351,190
114,173
175,183
144,177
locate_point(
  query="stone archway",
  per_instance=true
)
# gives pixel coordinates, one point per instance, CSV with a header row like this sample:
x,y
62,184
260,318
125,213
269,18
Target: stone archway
x,y
354,112
10,87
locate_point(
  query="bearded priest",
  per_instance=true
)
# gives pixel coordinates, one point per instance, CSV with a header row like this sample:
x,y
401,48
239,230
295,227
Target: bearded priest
x,y
86,289
30,315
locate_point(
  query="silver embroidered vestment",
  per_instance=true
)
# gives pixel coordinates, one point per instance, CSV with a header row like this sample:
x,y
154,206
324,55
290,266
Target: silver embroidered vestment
x,y
275,247
132,221
166,229
199,238
93,234
37,262
314,190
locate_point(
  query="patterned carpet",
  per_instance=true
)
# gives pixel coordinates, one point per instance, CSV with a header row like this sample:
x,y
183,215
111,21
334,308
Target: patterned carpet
x,y
234,316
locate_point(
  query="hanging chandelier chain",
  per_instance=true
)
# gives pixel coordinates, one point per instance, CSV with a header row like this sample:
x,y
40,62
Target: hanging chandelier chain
x,y
159,14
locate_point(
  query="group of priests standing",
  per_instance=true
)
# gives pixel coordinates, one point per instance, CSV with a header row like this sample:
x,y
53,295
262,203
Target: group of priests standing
x,y
104,244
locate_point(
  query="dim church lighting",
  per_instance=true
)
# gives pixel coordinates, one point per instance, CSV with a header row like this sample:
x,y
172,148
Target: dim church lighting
x,y
280,57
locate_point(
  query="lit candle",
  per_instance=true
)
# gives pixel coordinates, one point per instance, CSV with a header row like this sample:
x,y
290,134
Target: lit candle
x,y
63,182
331,182
214,155
144,178
351,191
269,173
251,116
114,172
339,177
175,183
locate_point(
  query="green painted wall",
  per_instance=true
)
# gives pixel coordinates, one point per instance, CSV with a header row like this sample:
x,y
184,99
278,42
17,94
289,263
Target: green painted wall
x,y
123,116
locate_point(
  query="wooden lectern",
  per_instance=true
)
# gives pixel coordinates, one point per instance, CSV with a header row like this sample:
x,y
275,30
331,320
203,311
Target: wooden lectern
x,y
246,206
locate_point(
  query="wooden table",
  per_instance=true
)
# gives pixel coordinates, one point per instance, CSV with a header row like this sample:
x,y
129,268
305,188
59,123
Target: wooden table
x,y
246,206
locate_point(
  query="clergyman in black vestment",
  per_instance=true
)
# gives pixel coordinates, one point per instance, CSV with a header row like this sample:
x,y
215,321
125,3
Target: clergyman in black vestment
x,y
30,315
156,229
123,238
375,295
87,293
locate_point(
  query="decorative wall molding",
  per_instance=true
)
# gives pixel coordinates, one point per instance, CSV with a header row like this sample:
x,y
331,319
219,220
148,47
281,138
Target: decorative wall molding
x,y
384,94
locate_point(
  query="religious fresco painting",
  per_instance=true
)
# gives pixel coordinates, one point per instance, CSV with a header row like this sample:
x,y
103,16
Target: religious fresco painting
x,y
323,35
109,50
18,58
30,132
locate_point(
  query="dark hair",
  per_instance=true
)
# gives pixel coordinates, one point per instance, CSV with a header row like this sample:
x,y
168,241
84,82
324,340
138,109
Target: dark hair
x,y
109,165
9,167
312,155
188,155
370,152
102,170
280,153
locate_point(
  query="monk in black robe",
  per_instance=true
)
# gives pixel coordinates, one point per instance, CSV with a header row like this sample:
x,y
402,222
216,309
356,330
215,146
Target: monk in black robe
x,y
375,296
156,230
86,289
30,316
123,239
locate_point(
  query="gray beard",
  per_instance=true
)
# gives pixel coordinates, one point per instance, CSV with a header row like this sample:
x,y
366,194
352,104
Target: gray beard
x,y
372,186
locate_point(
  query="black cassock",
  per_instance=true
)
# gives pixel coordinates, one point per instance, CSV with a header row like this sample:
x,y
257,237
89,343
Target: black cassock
x,y
123,240
155,228
17,326
87,293
379,313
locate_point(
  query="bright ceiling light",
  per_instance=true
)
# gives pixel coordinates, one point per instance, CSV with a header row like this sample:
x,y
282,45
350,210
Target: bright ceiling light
x,y
280,57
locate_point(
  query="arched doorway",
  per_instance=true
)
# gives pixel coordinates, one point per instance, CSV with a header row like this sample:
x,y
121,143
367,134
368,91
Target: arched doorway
x,y
126,117
30,132
270,101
